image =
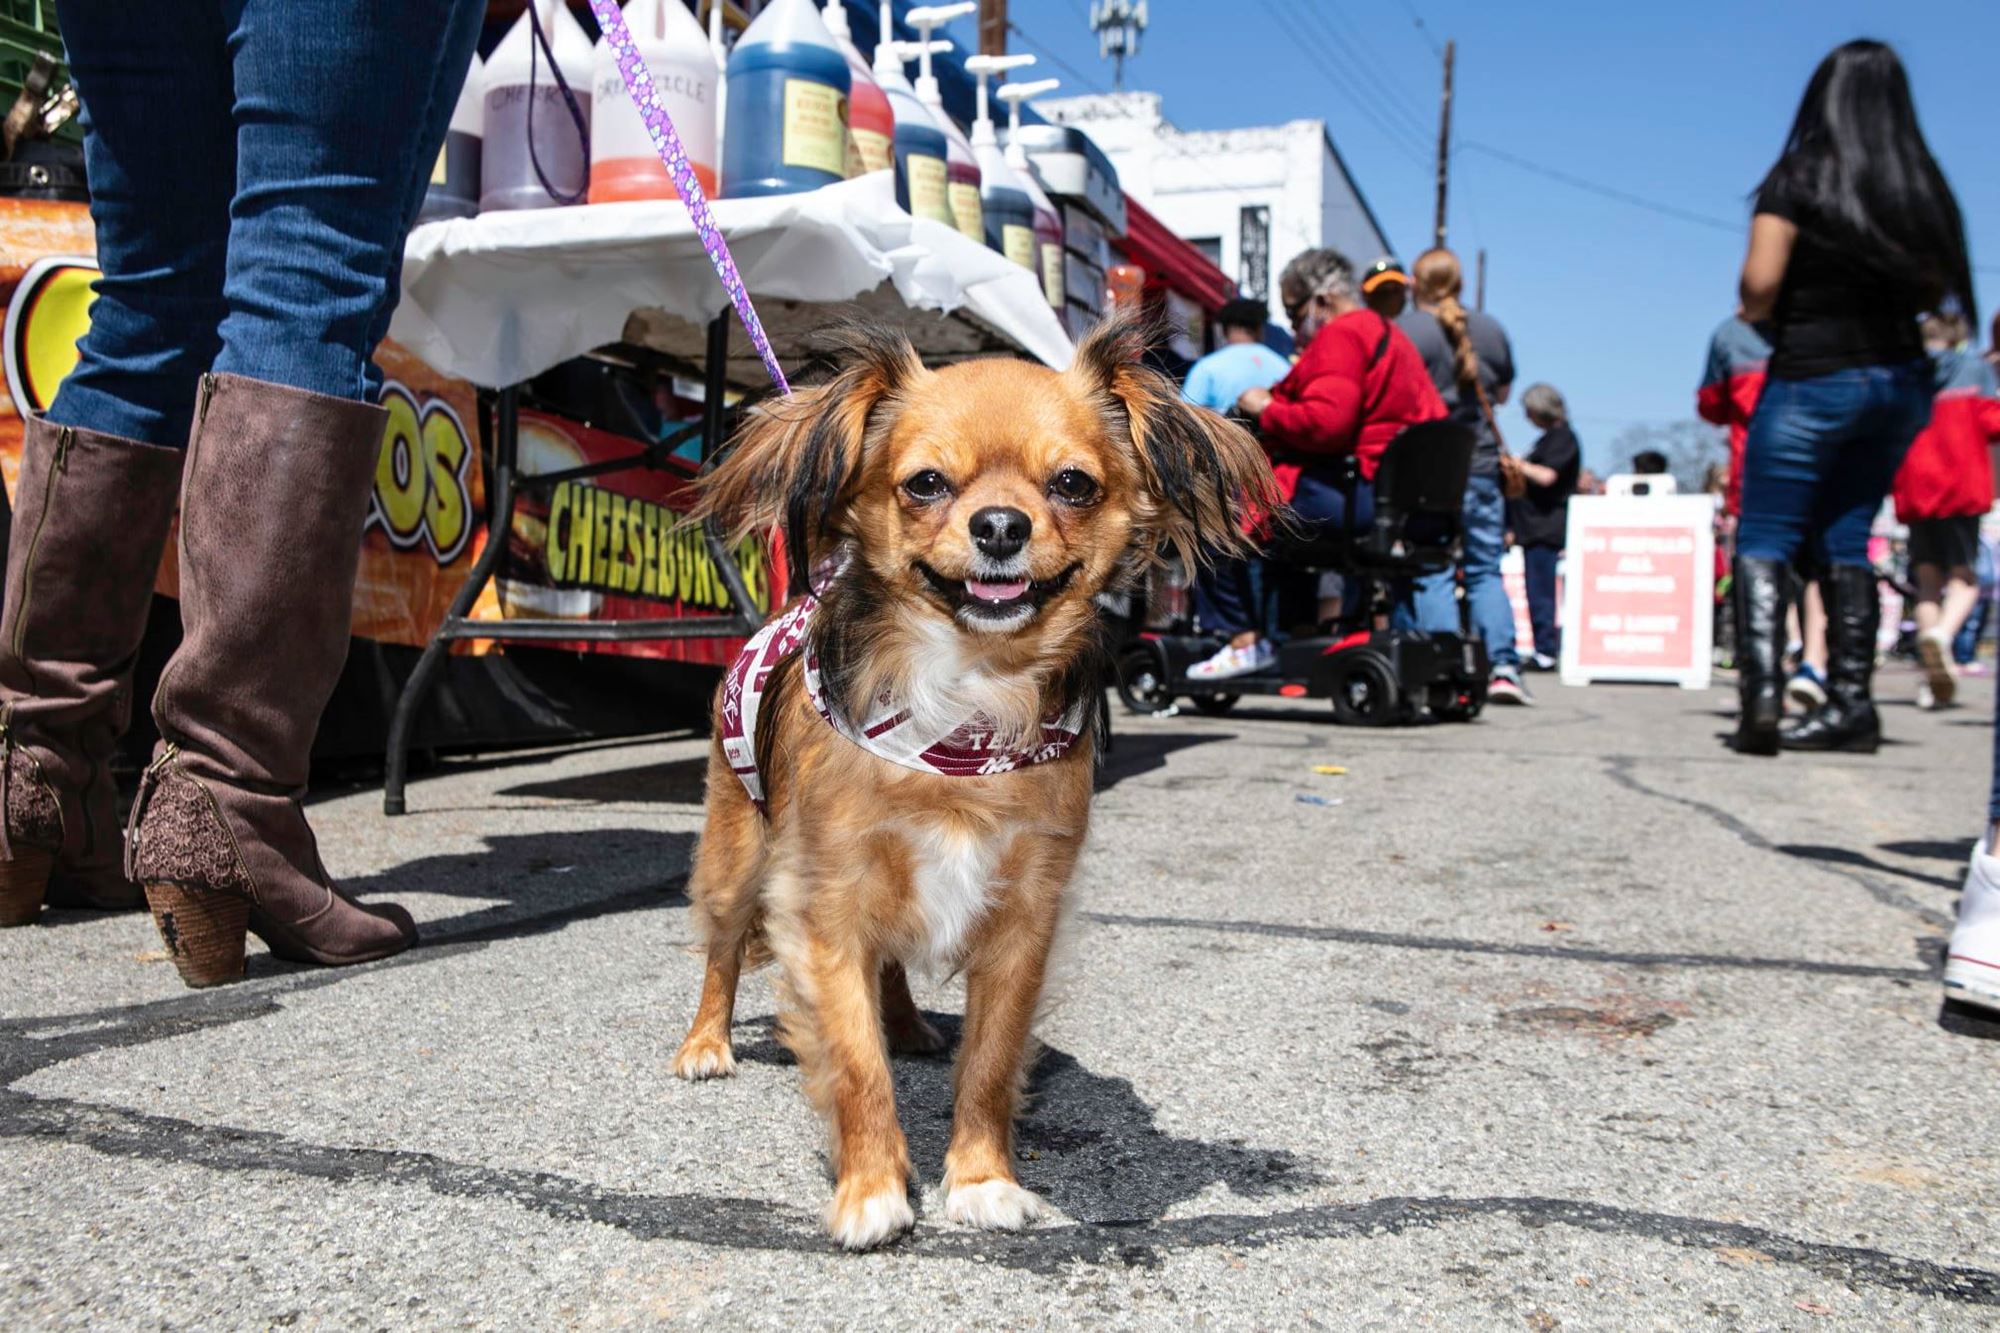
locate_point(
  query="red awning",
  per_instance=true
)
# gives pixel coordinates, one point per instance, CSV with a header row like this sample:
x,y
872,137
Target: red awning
x,y
1172,262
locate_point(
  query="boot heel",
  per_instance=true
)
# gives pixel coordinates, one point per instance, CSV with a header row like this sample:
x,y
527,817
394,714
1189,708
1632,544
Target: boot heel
x,y
23,881
203,931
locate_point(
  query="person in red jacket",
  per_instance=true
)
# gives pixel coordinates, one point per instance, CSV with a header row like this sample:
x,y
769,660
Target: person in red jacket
x,y
1943,487
1730,385
1358,382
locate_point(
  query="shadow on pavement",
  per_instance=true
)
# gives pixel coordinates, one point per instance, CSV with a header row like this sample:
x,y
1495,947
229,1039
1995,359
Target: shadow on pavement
x,y
1087,1143
672,782
1134,753
1843,856
1962,1020
1955,850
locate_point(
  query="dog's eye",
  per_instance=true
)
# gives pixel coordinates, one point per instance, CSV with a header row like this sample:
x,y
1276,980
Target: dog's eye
x,y
926,486
1073,487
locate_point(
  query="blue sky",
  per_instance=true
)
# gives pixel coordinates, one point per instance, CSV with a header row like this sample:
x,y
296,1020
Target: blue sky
x,y
1685,103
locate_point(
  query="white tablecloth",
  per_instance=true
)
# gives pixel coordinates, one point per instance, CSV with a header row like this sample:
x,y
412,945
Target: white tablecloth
x,y
501,297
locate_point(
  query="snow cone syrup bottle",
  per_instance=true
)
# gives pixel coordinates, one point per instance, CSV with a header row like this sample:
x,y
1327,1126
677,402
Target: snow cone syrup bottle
x,y
787,107
1048,222
1003,200
534,156
921,179
871,125
961,167
623,163
454,188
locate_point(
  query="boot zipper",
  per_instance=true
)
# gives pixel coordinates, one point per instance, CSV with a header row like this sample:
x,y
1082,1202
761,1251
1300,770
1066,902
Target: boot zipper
x,y
147,781
201,399
58,466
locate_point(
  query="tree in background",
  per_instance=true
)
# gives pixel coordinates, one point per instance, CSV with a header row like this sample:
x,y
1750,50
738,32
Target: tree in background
x,y
1691,447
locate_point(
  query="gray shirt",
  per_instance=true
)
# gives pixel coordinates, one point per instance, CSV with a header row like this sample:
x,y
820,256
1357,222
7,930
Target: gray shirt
x,y
1496,372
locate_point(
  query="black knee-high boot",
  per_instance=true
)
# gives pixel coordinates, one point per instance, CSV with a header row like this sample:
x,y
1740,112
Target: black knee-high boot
x,y
1760,641
1847,720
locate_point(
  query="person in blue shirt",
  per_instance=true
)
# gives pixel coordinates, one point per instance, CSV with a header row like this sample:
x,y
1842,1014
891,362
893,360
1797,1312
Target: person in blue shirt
x,y
1242,362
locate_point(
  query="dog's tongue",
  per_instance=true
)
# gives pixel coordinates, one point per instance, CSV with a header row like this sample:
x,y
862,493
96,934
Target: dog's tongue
x,y
996,592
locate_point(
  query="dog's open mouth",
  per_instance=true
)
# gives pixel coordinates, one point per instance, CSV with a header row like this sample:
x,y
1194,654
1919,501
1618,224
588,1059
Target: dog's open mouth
x,y
995,599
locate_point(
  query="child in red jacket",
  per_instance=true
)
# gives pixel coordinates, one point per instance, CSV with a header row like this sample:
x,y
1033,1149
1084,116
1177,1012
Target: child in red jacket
x,y
1943,488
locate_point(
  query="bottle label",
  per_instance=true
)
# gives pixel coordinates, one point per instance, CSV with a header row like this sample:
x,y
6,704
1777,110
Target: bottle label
x,y
1052,275
927,187
1018,244
877,151
966,211
815,127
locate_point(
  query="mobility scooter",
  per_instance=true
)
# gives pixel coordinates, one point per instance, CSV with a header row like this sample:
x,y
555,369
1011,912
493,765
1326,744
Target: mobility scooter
x,y
1374,676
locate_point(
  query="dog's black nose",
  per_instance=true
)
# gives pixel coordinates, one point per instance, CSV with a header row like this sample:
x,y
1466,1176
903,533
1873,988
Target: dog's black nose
x,y
1000,532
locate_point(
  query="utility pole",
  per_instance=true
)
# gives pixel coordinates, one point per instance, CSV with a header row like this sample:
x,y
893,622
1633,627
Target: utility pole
x,y
993,27
1444,138
1479,298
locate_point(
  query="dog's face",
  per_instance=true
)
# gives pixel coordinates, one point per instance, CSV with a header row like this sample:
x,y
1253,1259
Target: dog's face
x,y
996,495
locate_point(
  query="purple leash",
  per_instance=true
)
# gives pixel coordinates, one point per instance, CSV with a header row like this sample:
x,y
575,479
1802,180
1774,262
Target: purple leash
x,y
667,143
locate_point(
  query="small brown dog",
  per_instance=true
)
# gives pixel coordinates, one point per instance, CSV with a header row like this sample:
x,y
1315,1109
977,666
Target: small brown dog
x,y
902,773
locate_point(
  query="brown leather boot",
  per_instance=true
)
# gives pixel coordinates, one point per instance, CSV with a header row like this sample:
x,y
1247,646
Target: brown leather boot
x,y
273,501
91,517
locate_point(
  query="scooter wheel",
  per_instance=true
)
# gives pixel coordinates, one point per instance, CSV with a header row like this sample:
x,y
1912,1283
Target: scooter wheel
x,y
1142,679
1365,691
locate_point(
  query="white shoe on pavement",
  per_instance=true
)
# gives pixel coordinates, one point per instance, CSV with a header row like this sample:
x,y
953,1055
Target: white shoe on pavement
x,y
1926,701
1940,672
1230,661
1972,959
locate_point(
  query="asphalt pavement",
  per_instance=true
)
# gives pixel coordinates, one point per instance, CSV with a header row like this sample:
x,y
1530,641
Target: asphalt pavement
x,y
1568,1018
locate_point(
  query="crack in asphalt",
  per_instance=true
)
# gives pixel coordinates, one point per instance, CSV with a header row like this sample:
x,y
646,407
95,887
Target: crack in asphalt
x,y
1618,767
1441,944
758,1224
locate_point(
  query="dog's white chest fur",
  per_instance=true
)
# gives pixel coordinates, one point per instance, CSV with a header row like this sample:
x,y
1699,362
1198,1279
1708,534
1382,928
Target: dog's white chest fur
x,y
953,870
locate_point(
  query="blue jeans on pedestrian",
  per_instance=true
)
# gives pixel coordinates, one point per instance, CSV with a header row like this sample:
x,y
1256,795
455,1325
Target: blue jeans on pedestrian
x,y
1820,456
254,167
1539,564
1432,606
1235,596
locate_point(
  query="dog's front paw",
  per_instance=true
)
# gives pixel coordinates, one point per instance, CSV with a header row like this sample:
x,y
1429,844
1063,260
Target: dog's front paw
x,y
993,1205
864,1214
704,1057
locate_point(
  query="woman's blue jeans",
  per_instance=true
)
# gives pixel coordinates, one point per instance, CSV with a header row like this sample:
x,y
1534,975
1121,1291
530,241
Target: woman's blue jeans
x,y
1433,608
254,168
1235,596
1820,456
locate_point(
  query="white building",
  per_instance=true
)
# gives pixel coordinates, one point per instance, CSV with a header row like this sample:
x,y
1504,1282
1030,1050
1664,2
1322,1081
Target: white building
x,y
1250,198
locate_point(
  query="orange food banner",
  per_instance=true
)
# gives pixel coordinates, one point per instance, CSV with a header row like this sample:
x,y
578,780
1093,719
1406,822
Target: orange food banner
x,y
1639,597
621,556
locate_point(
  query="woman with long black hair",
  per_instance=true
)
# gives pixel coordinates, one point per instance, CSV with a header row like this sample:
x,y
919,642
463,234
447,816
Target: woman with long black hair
x,y
1855,235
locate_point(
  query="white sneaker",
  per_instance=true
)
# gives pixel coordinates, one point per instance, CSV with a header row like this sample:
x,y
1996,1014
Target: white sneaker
x,y
1230,661
1972,959
1940,672
1926,699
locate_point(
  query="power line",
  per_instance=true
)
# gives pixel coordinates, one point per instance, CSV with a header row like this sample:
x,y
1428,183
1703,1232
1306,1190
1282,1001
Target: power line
x,y
1083,80
1735,228
1423,29
1398,137
1366,59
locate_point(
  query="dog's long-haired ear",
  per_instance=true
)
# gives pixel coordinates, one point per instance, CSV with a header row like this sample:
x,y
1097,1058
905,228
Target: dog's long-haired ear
x,y
1207,477
794,461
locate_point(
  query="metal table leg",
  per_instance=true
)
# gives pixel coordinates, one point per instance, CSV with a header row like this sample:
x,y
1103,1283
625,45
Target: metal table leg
x,y
499,518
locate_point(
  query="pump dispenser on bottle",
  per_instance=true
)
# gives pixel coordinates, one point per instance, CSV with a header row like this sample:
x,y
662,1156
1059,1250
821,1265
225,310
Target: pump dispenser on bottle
x,y
1048,222
961,166
919,144
871,125
1008,209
